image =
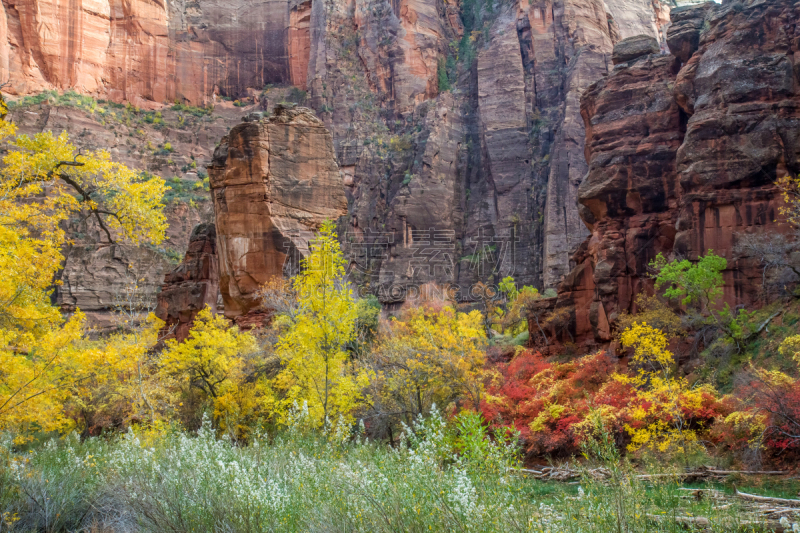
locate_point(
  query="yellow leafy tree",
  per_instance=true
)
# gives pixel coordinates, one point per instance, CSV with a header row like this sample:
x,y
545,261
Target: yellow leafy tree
x,y
43,181
790,346
428,357
115,387
514,319
213,361
769,404
313,348
662,396
790,188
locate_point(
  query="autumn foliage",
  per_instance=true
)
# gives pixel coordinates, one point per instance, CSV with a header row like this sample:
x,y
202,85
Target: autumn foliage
x,y
555,405
548,402
765,411
330,356
53,377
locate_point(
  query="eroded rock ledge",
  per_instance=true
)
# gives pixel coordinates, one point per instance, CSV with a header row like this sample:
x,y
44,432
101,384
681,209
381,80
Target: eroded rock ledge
x,y
190,286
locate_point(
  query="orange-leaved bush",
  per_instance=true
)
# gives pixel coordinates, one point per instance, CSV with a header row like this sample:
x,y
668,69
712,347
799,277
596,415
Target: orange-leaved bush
x,y
550,403
765,411
556,405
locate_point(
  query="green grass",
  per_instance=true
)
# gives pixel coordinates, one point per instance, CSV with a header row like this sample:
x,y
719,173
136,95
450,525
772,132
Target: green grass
x,y
302,480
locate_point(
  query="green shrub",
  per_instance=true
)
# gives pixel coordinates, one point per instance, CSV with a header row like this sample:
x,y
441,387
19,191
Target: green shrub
x,y
441,76
438,478
196,111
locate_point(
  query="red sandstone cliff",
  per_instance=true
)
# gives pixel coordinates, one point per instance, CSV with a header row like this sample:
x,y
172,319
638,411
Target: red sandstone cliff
x,y
492,166
447,183
683,157
151,51
190,286
273,183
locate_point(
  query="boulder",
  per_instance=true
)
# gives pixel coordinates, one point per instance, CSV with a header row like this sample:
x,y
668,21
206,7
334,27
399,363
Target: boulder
x,y
634,48
683,35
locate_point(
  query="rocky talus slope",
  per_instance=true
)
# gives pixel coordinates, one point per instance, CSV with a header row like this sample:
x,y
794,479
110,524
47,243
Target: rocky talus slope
x,y
683,152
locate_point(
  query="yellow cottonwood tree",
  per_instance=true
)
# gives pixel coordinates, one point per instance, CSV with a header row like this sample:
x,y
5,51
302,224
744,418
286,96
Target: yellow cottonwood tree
x,y
429,357
314,346
43,181
115,382
213,359
662,396
212,355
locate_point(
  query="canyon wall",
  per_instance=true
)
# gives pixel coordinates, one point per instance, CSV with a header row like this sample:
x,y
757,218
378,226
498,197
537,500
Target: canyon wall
x,y
151,51
455,126
683,152
460,136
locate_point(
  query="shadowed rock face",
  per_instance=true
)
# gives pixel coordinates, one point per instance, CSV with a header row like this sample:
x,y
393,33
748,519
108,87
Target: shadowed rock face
x,y
273,184
191,286
683,161
683,35
475,183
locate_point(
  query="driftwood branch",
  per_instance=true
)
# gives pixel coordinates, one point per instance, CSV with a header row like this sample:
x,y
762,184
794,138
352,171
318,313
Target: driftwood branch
x,y
767,499
766,323
565,473
701,522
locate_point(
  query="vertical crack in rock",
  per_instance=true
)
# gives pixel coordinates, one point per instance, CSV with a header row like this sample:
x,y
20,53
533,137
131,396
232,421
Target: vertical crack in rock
x,y
273,182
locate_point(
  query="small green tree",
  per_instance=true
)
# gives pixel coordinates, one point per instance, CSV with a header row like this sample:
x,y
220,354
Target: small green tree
x,y
442,77
698,286
514,317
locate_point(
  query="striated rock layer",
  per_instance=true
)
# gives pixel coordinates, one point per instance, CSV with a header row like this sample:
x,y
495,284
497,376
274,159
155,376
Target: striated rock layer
x,y
146,51
461,166
273,183
682,160
191,286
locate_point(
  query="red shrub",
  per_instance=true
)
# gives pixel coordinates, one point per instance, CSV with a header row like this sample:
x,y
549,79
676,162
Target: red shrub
x,y
545,401
767,413
548,402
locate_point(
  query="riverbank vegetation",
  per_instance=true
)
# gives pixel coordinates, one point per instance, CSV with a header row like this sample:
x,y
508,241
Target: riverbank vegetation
x,y
336,418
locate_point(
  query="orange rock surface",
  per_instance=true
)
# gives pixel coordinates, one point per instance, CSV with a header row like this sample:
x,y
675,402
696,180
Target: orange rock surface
x,y
273,184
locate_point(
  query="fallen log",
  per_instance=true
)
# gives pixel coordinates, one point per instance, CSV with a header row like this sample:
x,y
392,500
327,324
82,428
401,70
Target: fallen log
x,y
565,473
767,499
772,526
747,472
